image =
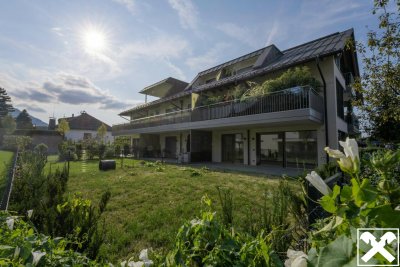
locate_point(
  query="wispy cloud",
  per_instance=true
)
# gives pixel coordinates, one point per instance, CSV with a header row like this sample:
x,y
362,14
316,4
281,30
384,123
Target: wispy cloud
x,y
160,46
128,4
209,59
239,33
187,13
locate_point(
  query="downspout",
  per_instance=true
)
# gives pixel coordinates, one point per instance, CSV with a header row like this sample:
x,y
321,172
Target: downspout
x,y
325,107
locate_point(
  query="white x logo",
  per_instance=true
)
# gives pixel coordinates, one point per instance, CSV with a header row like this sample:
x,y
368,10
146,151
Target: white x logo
x,y
387,238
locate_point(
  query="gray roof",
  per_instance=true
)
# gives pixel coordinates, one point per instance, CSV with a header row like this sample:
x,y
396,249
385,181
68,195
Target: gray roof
x,y
321,47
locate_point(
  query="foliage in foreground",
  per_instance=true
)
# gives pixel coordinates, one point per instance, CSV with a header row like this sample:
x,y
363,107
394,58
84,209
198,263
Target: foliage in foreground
x,y
54,213
207,242
360,204
22,245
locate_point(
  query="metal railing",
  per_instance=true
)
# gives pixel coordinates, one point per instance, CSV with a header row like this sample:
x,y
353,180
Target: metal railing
x,y
299,97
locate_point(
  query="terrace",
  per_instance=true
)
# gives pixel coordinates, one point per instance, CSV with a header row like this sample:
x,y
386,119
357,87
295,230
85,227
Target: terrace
x,y
277,106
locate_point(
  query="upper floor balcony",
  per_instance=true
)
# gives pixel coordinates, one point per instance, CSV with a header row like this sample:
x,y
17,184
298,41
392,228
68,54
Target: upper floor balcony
x,y
297,103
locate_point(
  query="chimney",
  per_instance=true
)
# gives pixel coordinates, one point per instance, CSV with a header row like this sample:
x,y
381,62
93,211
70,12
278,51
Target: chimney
x,y
72,115
52,123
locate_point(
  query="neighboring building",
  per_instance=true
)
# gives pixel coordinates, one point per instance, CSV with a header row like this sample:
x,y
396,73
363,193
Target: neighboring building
x,y
288,128
84,127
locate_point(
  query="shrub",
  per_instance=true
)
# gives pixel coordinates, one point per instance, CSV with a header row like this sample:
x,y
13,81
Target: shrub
x,y
66,151
101,149
14,142
41,150
79,151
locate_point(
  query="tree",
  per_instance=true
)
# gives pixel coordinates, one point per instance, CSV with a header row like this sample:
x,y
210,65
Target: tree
x,y
24,121
101,132
9,124
5,103
379,85
63,127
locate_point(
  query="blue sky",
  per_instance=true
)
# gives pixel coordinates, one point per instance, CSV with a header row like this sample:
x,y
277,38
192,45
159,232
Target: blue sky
x,y
63,57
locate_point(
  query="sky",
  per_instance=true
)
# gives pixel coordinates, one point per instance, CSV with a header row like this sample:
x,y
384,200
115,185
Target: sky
x,y
58,58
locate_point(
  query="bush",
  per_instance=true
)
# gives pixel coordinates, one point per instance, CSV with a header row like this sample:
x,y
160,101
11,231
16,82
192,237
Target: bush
x,y
54,214
14,142
66,151
79,151
101,149
110,152
41,150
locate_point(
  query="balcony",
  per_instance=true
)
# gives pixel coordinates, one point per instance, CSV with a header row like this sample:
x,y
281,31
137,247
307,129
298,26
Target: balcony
x,y
285,103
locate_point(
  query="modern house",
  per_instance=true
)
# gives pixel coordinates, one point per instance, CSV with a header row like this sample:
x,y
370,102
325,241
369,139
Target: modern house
x,y
85,126
288,127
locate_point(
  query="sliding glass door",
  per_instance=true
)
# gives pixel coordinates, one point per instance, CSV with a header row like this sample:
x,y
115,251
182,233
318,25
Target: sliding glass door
x,y
288,149
232,148
270,148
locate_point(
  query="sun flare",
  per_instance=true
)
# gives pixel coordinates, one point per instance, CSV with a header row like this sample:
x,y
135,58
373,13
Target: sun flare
x,y
94,41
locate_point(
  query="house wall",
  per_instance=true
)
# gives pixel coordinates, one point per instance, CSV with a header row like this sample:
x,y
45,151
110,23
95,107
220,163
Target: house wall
x,y
77,135
51,141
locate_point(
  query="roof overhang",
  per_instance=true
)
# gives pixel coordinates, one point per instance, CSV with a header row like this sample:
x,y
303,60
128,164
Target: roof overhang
x,y
164,88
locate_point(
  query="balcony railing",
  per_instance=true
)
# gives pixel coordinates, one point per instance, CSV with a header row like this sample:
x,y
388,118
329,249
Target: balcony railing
x,y
349,79
285,100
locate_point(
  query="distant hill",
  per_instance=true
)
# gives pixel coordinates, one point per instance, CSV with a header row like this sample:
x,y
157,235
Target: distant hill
x,y
35,121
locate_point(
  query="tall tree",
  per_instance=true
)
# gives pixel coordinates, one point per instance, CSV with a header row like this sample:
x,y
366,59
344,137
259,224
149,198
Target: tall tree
x,y
5,103
102,131
24,121
380,82
63,127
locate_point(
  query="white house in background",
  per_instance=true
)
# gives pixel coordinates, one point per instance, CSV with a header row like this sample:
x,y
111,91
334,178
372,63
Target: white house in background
x,y
288,128
84,127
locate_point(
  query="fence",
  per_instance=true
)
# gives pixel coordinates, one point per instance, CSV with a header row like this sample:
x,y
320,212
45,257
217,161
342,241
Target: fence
x,y
7,192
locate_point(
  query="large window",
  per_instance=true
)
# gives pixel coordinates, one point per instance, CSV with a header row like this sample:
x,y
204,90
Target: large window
x,y
288,149
301,149
270,148
339,100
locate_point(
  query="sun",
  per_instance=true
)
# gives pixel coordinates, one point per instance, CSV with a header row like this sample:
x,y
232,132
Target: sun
x,y
94,40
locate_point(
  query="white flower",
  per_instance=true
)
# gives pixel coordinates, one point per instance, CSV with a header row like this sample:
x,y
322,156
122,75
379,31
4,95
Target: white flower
x,y
318,183
334,153
350,148
296,259
29,213
10,223
144,260
37,255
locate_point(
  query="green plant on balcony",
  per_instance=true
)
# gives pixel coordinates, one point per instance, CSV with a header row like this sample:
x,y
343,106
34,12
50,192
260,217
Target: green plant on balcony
x,y
299,76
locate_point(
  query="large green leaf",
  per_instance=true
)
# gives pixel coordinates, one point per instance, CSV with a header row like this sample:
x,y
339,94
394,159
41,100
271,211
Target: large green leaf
x,y
337,253
364,193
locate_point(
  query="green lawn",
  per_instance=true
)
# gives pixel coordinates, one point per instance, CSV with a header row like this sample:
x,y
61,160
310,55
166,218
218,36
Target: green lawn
x,y
5,161
148,206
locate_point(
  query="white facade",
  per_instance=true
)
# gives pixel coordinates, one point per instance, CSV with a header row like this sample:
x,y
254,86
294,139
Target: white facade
x,y
79,135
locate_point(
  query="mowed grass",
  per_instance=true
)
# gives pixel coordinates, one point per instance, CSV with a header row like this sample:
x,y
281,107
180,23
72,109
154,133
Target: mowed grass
x,y
5,161
148,205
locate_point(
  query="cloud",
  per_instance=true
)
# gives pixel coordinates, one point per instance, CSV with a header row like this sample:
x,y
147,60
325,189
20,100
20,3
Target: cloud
x,y
187,13
207,60
241,34
61,88
128,4
34,108
159,47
